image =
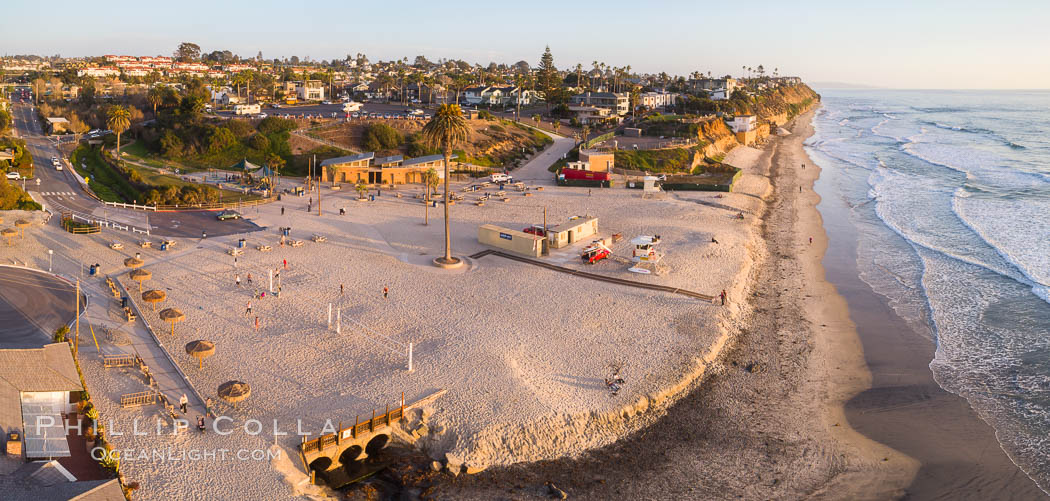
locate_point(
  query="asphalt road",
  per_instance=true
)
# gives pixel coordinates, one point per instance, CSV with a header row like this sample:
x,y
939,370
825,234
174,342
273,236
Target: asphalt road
x,y
60,191
32,306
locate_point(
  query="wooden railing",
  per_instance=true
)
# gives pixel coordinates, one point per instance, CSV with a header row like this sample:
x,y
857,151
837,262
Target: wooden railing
x,y
377,422
118,361
137,399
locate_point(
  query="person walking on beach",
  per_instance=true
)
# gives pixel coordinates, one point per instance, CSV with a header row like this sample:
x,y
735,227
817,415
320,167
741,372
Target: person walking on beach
x,y
238,280
340,289
285,263
207,408
200,423
385,291
183,402
248,310
810,240
723,296
282,211
249,279
256,323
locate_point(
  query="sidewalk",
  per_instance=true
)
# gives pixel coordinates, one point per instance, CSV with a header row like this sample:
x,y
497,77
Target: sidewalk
x,y
99,316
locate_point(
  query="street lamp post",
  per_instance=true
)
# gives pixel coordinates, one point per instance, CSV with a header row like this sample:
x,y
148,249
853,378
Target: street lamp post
x,y
50,258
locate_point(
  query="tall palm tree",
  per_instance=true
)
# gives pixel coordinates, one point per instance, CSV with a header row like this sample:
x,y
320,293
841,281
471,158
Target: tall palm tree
x,y
155,97
119,120
445,130
521,80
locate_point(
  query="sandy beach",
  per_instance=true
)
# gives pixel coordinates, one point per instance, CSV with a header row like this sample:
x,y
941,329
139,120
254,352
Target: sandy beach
x,y
768,421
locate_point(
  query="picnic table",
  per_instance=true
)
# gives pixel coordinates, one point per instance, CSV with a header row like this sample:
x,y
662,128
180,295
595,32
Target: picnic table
x,y
298,243
319,238
236,252
116,246
146,244
264,248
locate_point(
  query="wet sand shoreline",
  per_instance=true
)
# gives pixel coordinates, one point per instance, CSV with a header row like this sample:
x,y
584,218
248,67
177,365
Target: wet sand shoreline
x,y
905,408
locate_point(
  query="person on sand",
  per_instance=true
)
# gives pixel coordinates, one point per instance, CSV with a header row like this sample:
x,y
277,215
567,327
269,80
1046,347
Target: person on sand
x,y
207,408
385,291
285,263
811,240
713,240
282,211
248,310
723,296
200,423
183,402
256,323
249,279
340,289
238,279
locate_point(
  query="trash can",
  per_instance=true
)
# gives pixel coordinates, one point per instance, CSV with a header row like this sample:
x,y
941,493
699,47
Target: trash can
x,y
433,203
124,302
91,270
278,197
164,246
286,231
241,243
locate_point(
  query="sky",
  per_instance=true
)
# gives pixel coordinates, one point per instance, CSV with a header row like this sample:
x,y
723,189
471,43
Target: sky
x,y
917,44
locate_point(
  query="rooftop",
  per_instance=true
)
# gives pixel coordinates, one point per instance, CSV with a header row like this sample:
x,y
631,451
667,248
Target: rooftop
x,y
426,159
347,159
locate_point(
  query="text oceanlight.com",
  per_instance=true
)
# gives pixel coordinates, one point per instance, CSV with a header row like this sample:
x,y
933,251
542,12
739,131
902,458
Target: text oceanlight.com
x,y
171,454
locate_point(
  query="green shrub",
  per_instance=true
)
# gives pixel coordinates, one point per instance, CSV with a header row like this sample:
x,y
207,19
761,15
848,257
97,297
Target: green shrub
x,y
380,136
259,142
60,334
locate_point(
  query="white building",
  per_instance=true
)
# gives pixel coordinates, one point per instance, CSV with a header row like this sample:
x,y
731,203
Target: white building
x,y
653,100
719,94
105,71
310,90
744,123
247,109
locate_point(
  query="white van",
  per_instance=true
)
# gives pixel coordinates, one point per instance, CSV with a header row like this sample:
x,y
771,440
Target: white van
x,y
501,178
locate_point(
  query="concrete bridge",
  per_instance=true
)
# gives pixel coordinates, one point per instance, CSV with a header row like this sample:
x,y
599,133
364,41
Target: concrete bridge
x,y
331,452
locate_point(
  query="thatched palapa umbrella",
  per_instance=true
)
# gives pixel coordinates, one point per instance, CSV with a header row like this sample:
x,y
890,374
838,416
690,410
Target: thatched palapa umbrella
x,y
234,391
172,315
8,234
22,224
154,297
140,275
200,349
133,262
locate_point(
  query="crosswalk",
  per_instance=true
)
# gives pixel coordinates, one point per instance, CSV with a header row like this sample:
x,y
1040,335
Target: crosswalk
x,y
58,193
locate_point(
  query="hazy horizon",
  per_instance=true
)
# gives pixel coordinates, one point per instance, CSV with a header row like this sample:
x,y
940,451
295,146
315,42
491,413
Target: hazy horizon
x,y
934,45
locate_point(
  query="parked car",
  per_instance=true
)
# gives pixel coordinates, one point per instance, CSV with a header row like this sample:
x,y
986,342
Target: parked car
x,y
326,102
228,214
13,175
501,178
535,229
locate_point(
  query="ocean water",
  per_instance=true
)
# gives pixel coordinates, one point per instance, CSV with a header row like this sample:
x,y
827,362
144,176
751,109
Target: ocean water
x,y
950,193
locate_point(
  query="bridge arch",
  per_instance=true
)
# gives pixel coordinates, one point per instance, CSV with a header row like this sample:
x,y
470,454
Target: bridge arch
x,y
321,464
350,455
377,444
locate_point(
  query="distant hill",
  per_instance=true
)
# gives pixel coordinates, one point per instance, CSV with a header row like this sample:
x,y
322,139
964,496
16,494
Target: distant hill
x,y
842,85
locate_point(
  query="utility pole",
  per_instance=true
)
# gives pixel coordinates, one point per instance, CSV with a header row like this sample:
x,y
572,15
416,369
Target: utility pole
x,y
545,237
76,338
318,193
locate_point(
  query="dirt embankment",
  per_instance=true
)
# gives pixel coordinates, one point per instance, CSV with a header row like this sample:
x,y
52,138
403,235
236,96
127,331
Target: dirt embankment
x,y
488,142
718,138
777,106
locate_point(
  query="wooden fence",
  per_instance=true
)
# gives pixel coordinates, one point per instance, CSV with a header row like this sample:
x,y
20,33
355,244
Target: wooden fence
x,y
137,399
109,361
377,422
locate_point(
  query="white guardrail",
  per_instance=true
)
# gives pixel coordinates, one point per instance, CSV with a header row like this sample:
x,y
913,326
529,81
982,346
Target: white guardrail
x,y
130,206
